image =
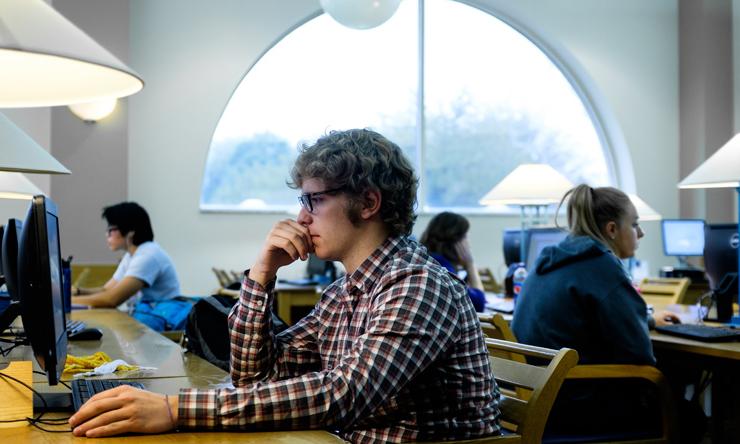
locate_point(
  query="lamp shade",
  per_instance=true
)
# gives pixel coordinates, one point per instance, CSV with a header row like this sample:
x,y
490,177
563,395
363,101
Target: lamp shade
x,y
360,14
17,186
47,61
22,154
644,211
529,184
721,170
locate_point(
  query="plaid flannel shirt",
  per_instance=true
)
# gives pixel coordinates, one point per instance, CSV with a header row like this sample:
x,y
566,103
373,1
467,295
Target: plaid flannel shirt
x,y
393,352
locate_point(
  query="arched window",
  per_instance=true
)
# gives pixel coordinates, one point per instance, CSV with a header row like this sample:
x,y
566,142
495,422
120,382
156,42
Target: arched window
x,y
491,99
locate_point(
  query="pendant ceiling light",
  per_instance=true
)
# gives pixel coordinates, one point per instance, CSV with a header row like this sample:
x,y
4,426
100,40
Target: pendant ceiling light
x,y
360,14
45,60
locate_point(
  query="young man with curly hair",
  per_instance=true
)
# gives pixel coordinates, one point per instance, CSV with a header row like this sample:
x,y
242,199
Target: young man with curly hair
x,y
393,350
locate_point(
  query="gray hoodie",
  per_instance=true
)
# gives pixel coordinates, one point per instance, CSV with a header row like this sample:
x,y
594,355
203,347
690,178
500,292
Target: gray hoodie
x,y
579,296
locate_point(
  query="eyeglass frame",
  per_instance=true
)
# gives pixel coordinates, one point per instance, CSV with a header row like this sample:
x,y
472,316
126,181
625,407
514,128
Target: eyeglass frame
x,y
110,229
305,199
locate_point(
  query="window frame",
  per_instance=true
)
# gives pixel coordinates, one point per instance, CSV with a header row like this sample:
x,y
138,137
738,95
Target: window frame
x,y
613,145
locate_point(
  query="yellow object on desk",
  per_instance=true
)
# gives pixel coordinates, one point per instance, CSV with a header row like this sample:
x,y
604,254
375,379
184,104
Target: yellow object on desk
x,y
82,364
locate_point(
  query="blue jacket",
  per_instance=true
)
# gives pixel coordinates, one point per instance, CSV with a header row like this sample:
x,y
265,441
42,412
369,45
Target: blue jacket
x,y
579,296
477,296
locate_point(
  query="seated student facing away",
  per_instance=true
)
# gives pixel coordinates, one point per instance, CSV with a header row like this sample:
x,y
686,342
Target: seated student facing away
x,y
579,296
145,266
446,239
392,352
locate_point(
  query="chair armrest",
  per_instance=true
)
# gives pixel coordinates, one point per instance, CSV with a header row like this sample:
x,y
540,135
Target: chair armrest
x,y
644,372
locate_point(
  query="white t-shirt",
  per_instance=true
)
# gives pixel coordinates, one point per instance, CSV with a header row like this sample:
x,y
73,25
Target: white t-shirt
x,y
151,265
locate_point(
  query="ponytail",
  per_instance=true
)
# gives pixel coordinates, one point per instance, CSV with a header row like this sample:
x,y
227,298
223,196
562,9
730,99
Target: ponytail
x,y
590,210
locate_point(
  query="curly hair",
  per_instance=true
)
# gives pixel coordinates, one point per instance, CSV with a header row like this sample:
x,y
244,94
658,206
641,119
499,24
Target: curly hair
x,y
357,161
442,234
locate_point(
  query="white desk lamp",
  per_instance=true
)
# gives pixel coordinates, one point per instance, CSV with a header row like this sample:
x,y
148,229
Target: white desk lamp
x,y
529,186
22,154
644,211
17,186
720,170
47,61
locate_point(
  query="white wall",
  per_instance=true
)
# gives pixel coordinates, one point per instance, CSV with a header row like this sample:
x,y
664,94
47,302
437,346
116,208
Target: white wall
x,y
193,54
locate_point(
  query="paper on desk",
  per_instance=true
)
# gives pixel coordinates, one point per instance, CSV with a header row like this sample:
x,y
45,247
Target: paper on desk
x,y
108,368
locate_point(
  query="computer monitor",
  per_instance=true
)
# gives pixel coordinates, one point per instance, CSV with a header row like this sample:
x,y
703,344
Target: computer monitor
x,y
10,242
40,287
512,245
11,308
720,252
538,239
320,270
683,238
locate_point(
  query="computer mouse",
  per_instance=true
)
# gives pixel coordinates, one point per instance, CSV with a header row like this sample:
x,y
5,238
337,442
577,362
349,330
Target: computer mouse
x,y
87,334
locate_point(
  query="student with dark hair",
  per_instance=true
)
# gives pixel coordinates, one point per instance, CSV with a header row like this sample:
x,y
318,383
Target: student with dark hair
x,y
392,352
145,267
446,240
579,296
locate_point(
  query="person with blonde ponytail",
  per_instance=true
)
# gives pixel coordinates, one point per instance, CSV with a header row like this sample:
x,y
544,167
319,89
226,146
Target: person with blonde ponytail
x,y
578,295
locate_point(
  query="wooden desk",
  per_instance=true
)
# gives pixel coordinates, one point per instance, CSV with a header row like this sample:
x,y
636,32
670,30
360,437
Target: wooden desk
x,y
720,358
295,301
125,338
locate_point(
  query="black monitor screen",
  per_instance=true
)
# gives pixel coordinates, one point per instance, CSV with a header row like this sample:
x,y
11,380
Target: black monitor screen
x,y
40,285
11,239
720,252
539,238
512,245
683,237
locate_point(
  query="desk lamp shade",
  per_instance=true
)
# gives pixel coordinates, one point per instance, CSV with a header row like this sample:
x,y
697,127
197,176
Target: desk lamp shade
x,y
644,211
17,186
21,154
529,184
47,61
721,170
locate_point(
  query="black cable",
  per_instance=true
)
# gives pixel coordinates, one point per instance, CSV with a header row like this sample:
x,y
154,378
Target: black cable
x,y
37,420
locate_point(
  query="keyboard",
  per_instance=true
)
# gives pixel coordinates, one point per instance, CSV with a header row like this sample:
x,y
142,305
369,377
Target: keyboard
x,y
74,327
84,389
700,332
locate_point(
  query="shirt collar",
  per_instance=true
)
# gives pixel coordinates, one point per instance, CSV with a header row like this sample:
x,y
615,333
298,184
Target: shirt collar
x,y
371,269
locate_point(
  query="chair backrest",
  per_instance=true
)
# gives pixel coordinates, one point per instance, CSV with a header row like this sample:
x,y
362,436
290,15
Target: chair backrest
x,y
488,280
527,417
674,289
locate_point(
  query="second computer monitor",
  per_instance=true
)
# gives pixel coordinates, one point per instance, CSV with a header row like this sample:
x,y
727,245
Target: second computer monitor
x,y
720,252
538,239
683,237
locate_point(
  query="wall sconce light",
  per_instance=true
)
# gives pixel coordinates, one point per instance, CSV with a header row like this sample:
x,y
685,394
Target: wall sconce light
x,y
91,112
47,61
360,14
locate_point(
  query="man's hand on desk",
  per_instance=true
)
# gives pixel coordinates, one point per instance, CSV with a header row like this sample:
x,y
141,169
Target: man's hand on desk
x,y
665,317
124,410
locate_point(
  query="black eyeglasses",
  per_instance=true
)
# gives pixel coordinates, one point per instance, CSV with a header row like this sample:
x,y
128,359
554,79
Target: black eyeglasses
x,y
111,229
306,199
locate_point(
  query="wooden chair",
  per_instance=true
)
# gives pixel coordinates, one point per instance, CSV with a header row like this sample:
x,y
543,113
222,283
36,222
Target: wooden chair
x,y
495,326
92,275
225,278
524,419
489,281
671,290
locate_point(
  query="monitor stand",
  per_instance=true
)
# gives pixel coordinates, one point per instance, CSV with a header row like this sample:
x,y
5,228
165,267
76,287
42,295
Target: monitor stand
x,y
55,401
